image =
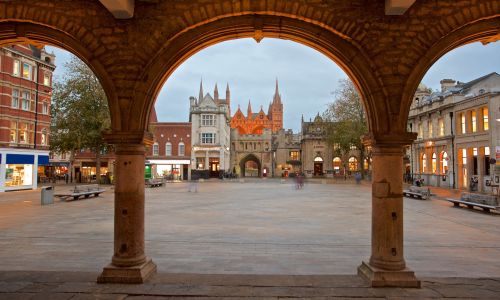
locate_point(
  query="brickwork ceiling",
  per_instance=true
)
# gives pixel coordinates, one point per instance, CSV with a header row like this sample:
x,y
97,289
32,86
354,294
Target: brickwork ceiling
x,y
386,56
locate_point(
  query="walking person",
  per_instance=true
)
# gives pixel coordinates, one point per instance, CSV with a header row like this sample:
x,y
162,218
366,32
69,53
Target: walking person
x,y
193,184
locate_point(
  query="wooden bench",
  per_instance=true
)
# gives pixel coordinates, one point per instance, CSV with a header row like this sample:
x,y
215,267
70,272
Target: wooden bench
x,y
84,191
417,192
485,202
154,182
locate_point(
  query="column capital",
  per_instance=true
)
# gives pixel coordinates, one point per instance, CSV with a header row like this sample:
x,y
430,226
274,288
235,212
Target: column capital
x,y
389,140
129,137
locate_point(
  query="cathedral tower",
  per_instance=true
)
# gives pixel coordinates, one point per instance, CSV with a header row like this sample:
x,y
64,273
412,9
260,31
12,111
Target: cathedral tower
x,y
276,110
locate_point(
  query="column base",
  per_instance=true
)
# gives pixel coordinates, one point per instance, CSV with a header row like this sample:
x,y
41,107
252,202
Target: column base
x,y
135,274
382,278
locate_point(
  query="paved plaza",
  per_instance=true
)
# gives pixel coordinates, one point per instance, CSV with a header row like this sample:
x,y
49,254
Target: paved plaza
x,y
262,227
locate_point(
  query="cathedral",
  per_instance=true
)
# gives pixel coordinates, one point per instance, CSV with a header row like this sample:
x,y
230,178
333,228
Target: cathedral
x,y
255,123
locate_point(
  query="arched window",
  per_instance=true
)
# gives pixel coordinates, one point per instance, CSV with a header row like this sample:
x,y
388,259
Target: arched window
x,y
337,163
168,149
353,164
434,163
156,149
444,162
318,159
181,149
424,163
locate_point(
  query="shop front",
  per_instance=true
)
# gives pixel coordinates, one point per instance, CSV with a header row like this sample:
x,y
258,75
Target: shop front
x,y
169,169
20,168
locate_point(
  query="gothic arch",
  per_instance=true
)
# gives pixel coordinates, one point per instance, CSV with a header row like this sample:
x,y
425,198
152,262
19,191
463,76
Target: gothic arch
x,y
486,30
335,46
250,157
12,32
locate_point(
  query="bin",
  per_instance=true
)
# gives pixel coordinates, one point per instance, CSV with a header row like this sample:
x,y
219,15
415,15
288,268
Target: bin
x,y
47,196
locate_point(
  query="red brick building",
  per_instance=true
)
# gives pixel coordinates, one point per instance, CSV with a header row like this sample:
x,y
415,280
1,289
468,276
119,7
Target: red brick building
x,y
26,89
170,155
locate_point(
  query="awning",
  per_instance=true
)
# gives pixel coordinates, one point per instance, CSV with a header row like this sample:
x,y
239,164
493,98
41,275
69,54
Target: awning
x,y
43,160
21,159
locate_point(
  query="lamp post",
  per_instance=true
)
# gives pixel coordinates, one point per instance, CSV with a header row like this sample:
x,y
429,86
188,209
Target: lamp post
x,y
452,148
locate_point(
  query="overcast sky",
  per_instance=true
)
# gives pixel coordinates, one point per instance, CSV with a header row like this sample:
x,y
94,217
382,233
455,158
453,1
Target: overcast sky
x,y
307,78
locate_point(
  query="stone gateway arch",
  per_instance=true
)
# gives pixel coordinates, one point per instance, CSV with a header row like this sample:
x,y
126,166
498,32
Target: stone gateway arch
x,y
134,46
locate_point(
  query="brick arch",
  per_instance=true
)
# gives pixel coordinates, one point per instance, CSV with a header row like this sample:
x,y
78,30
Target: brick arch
x,y
486,30
350,58
12,32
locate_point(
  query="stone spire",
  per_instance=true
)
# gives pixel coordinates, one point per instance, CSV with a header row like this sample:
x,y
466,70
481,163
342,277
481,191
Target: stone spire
x,y
216,93
269,115
249,109
277,96
200,96
228,93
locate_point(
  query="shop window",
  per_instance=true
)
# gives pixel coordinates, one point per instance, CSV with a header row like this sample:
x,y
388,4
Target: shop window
x,y
337,163
182,149
486,124
473,121
424,163
200,163
27,68
168,149
444,162
25,102
441,126
294,155
156,149
13,132
15,99
434,163
18,175
16,71
353,164
46,79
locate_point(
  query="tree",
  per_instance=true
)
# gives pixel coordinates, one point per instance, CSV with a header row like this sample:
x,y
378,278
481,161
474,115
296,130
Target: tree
x,y
346,121
79,112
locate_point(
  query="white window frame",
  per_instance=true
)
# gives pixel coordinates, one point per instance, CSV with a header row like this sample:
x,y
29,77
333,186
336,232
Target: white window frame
x,y
156,149
25,102
30,70
46,78
207,120
43,137
16,68
207,138
45,108
15,98
182,149
168,149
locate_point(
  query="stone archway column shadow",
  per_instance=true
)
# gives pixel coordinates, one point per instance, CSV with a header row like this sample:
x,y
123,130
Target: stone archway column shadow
x,y
129,263
387,267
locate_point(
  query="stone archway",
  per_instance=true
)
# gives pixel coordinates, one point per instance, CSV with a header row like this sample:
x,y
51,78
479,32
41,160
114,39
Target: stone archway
x,y
250,166
386,57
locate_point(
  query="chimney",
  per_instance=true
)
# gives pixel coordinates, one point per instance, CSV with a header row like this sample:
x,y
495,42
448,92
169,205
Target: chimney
x,y
446,84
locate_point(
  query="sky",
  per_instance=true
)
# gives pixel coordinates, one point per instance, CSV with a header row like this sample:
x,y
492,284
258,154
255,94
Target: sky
x,y
307,79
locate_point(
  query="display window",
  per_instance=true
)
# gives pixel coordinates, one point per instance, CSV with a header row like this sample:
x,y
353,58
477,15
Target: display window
x,y
18,175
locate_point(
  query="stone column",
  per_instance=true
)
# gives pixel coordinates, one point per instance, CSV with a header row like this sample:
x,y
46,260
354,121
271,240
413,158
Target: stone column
x,y
387,266
129,263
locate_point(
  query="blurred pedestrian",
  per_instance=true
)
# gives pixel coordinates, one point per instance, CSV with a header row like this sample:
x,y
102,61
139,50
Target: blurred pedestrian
x,y
193,184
